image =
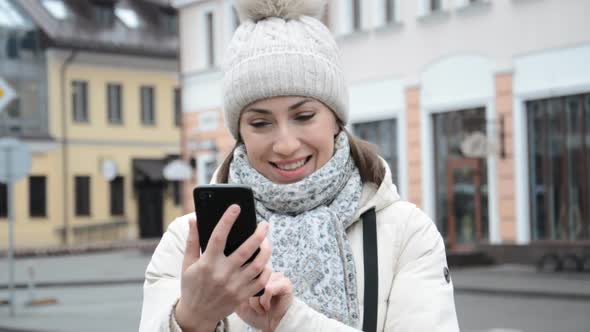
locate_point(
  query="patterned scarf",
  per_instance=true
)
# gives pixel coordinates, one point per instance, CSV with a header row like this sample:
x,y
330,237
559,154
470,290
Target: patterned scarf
x,y
308,222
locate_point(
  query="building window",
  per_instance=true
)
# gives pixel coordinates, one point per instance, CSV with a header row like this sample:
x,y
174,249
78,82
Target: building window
x,y
148,116
3,200
169,21
82,192
559,161
384,135
461,186
210,37
37,196
177,107
104,13
356,15
390,11
206,166
80,101
435,5
115,113
117,189
177,192
208,121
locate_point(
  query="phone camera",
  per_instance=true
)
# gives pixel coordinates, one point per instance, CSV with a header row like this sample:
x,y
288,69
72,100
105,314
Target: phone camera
x,y
205,195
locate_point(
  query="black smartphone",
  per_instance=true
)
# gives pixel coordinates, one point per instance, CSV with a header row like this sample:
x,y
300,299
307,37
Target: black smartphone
x,y
211,202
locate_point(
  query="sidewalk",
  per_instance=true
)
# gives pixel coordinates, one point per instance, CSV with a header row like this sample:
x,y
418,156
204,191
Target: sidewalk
x,y
115,267
522,281
128,266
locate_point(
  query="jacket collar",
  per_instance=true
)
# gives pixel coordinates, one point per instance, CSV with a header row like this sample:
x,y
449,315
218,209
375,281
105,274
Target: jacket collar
x,y
380,196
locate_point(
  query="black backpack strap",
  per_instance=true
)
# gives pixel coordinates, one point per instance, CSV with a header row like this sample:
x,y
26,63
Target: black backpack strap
x,y
371,270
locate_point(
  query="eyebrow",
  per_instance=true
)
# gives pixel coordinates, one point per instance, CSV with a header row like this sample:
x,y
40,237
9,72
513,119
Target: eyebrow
x,y
291,108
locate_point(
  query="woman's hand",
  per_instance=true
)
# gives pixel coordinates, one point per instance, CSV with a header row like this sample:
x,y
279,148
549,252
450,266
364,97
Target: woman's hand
x,y
265,312
213,285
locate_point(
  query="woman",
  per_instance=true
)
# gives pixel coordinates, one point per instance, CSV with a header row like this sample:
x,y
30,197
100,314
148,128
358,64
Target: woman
x,y
285,102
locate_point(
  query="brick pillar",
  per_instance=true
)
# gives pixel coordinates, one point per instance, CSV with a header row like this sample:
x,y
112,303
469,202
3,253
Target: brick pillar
x,y
414,146
506,171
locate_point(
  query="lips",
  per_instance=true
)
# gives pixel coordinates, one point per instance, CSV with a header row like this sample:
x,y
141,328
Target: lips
x,y
291,169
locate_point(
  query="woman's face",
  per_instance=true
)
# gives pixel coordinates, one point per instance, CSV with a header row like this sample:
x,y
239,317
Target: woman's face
x,y
288,138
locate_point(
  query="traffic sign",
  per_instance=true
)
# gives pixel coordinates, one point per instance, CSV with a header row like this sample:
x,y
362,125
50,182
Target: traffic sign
x,y
7,94
15,160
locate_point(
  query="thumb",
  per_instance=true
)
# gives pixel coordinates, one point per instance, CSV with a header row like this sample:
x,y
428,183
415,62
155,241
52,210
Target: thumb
x,y
193,248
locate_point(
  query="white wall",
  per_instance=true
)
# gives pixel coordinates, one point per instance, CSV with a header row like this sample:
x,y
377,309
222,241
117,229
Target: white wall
x,y
498,30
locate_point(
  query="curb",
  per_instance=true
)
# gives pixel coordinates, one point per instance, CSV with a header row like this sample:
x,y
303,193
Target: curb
x,y
143,245
11,329
522,293
64,284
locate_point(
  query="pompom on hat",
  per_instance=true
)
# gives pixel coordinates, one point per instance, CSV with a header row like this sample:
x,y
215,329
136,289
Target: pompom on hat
x,y
282,49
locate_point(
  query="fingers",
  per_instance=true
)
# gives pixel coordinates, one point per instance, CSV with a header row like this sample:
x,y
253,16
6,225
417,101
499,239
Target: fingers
x,y
277,286
219,236
255,305
192,251
259,283
248,248
253,269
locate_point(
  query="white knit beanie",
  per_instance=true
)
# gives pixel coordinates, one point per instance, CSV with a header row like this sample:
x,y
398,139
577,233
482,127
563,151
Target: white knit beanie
x,y
282,49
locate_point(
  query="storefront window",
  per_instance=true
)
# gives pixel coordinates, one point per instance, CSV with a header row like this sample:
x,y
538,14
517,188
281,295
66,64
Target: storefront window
x,y
559,149
460,181
384,135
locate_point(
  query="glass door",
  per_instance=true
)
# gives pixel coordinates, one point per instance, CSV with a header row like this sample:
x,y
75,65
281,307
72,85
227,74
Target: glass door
x,y
460,182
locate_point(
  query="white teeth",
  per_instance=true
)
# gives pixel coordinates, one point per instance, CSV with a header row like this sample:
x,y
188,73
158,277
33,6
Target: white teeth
x,y
290,167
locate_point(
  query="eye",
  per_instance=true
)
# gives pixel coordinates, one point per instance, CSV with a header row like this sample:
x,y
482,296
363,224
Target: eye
x,y
304,116
259,123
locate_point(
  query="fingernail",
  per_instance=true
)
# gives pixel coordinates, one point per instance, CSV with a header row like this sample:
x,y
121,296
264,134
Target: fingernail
x,y
235,209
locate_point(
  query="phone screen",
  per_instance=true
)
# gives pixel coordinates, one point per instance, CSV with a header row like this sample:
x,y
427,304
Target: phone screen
x,y
211,202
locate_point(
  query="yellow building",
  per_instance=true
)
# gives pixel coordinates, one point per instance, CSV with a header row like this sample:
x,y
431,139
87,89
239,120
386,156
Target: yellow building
x,y
100,112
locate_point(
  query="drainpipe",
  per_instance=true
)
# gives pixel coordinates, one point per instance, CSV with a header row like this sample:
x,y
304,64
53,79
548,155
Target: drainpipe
x,y
64,156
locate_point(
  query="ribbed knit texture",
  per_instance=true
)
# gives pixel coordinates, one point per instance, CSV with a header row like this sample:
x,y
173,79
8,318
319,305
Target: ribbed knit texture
x,y
277,57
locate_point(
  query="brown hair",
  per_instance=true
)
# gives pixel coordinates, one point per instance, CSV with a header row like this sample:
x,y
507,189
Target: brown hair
x,y
363,153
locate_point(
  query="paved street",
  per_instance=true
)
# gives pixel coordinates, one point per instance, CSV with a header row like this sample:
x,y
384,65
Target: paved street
x,y
492,313
108,296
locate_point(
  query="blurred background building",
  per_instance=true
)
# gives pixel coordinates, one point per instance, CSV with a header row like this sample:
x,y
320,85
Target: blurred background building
x,y
99,107
481,108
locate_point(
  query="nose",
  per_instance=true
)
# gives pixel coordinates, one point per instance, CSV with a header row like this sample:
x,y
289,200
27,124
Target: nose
x,y
286,143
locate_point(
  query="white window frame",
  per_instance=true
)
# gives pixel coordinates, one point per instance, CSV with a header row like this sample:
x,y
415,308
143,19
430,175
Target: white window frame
x,y
203,37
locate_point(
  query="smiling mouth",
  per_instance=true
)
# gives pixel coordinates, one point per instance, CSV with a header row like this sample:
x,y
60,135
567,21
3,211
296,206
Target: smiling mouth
x,y
291,166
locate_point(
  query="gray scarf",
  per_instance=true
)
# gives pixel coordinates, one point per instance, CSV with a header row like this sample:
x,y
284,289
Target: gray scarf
x,y
308,222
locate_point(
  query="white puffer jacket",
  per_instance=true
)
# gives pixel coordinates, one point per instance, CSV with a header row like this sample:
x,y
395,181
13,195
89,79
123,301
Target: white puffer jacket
x,y
414,292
